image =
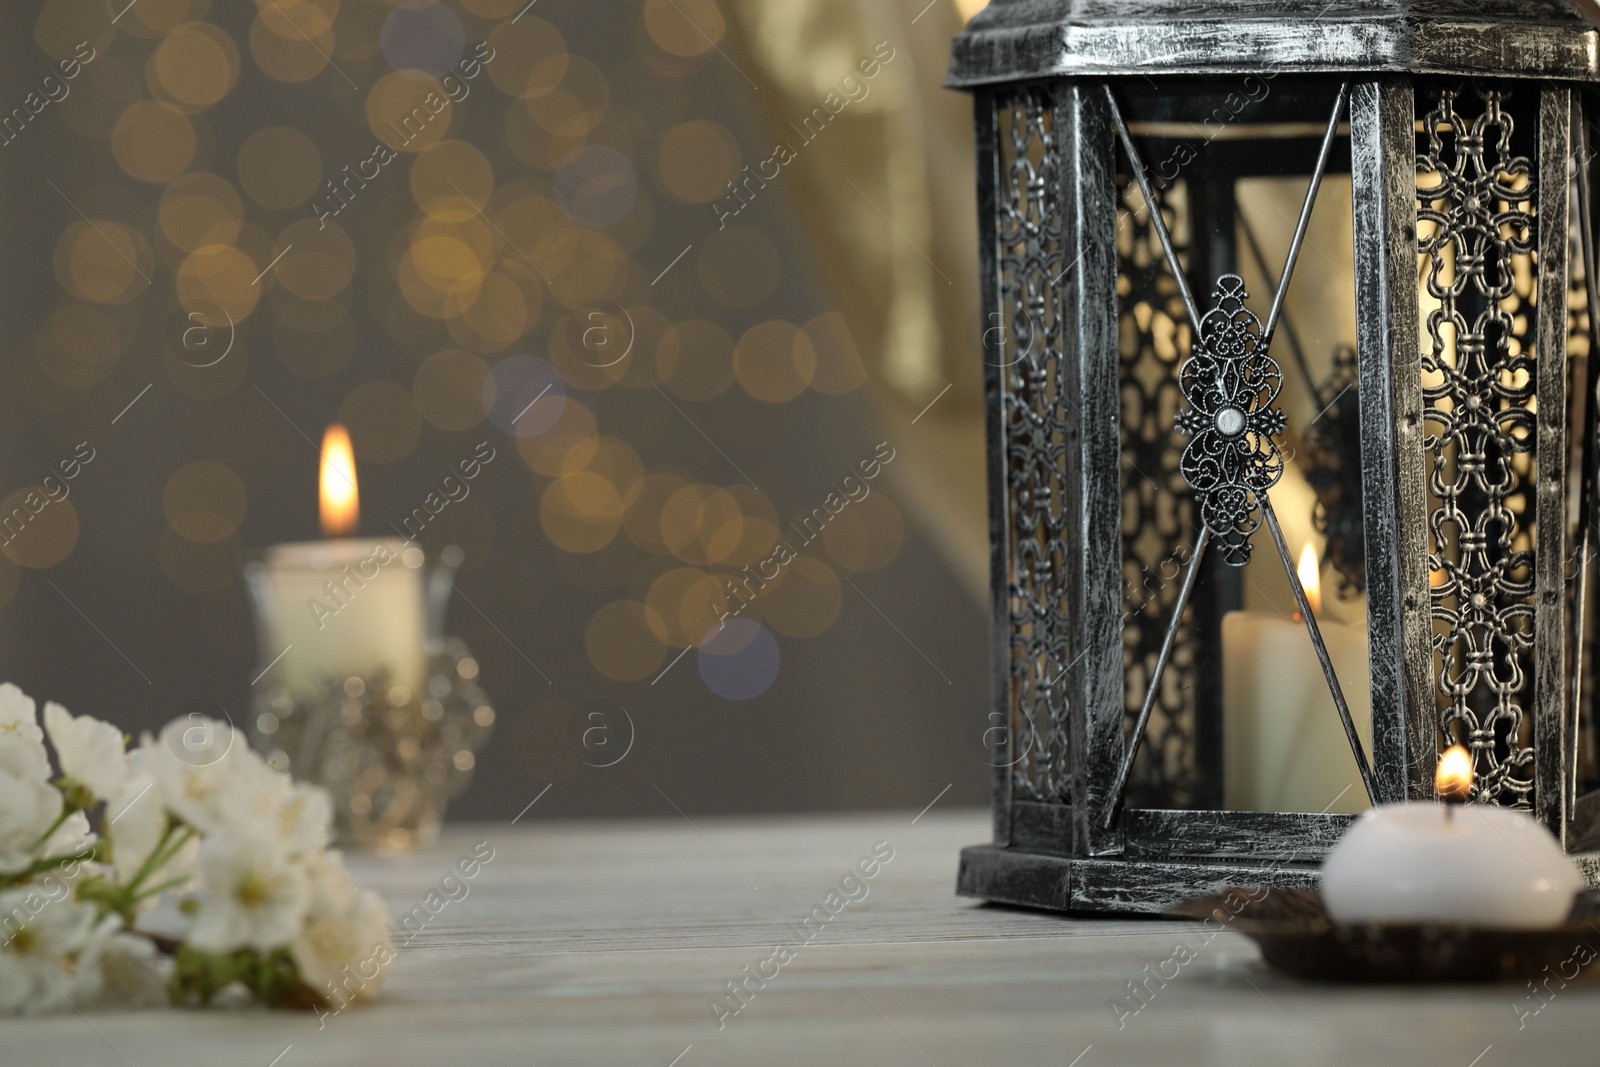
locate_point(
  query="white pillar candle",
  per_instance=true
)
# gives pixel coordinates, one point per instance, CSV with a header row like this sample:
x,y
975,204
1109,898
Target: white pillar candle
x,y
347,607
1476,865
1284,745
344,607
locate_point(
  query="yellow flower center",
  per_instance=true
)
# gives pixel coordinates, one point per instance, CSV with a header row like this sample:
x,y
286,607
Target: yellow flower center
x,y
252,891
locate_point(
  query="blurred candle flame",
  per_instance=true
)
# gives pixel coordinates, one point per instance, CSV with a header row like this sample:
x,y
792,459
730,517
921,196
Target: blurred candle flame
x,y
1453,780
1310,572
341,503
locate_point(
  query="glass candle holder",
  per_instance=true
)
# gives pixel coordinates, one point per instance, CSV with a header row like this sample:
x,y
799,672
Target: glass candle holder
x,y
391,730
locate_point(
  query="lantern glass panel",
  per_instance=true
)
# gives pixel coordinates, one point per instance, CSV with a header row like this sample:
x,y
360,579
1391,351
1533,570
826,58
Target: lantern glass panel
x,y
1243,717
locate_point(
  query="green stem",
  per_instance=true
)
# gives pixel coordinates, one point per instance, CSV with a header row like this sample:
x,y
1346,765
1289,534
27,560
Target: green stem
x,y
42,866
153,890
152,861
66,813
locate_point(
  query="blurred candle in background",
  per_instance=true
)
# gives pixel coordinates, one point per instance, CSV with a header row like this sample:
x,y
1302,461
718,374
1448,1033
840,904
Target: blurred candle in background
x,y
1284,746
344,606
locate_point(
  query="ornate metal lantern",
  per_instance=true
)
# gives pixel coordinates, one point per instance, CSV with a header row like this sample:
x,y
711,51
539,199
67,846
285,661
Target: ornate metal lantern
x,y
1259,276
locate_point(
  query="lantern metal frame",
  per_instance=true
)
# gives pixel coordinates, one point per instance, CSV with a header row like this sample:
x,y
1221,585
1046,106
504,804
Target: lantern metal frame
x,y
1046,77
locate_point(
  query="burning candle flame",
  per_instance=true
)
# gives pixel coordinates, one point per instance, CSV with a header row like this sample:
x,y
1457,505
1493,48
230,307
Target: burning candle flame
x,y
1310,572
341,503
1453,780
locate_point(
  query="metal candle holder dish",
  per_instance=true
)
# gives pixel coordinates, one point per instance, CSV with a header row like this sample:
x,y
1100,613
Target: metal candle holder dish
x,y
391,758
1297,937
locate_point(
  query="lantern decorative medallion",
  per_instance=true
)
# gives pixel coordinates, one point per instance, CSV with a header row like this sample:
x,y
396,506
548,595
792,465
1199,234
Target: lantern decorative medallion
x,y
1292,429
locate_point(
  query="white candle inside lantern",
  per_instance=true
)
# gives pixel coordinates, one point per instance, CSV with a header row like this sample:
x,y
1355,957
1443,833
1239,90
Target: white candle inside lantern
x,y
344,606
1466,864
1284,745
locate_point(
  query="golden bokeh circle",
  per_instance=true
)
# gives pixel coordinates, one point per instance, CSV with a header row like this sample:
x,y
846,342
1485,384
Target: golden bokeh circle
x,y
64,25
682,517
448,389
291,40
623,640
721,526
581,511
318,259
689,603
38,529
219,276
153,141
643,519
739,266
583,266
697,160
805,600
194,66
103,261
164,16
279,167
774,361
200,209
867,534
758,527
530,57
383,421
409,111
684,27
452,181
497,315
567,444
578,105
204,502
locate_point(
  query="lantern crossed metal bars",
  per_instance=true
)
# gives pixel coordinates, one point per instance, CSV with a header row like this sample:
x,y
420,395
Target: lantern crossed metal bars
x,y
1453,458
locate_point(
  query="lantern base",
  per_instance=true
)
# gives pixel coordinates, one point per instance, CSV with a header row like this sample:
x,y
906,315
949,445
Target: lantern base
x,y
1110,885
1003,875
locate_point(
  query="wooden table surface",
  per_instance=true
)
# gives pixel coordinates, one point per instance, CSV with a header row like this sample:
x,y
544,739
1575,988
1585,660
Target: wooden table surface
x,y
605,943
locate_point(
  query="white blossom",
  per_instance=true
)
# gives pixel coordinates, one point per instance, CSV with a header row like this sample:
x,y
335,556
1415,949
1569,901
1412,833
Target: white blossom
x,y
251,893
343,946
202,770
40,941
89,751
29,804
21,740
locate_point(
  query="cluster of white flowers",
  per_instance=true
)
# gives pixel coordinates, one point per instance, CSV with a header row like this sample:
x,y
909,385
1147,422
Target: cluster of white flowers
x,y
85,851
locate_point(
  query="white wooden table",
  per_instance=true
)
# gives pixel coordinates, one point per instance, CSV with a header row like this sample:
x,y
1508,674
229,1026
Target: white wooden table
x,y
604,943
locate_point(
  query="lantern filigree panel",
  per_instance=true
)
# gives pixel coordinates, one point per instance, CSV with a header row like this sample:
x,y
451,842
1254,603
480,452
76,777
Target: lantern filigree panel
x,y
1158,520
1033,256
1476,237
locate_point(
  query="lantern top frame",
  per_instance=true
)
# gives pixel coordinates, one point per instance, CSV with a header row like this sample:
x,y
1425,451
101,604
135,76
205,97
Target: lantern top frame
x,y
1017,40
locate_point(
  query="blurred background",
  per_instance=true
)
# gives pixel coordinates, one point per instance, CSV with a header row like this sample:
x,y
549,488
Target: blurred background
x,y
726,250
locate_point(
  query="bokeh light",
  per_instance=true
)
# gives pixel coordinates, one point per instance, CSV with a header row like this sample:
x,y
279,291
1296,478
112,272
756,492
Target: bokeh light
x,y
204,502
740,661
423,36
684,27
697,160
514,394
596,186
194,66
625,641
